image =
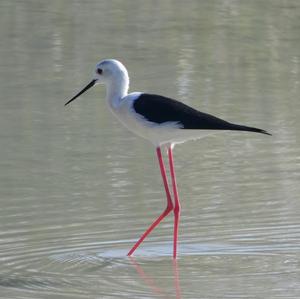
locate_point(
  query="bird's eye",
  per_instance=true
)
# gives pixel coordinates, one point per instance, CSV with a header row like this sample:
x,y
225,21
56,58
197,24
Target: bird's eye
x,y
99,71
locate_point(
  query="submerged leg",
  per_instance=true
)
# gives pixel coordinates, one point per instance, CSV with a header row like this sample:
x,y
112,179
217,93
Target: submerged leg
x,y
168,209
176,201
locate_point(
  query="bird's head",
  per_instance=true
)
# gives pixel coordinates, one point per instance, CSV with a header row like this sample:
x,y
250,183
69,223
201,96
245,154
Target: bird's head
x,y
108,72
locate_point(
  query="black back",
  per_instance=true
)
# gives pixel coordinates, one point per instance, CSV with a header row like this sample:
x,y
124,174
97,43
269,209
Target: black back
x,y
159,109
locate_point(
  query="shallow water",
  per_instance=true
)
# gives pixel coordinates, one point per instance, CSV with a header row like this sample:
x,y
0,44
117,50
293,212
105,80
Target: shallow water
x,y
77,189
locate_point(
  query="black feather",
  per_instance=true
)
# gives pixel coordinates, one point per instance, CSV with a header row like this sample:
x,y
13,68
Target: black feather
x,y
159,109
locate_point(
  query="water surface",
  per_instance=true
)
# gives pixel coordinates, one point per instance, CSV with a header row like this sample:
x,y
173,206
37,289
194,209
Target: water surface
x,y
77,189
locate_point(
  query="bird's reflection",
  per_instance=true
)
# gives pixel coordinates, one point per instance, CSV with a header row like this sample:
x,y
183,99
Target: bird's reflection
x,y
150,282
176,279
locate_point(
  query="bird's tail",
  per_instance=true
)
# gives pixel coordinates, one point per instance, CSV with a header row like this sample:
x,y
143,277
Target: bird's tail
x,y
249,129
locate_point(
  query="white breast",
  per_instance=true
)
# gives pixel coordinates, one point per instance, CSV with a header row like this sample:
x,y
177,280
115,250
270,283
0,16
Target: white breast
x,y
158,134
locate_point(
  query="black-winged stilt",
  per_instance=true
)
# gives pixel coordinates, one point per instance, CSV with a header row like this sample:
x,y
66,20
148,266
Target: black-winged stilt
x,y
161,120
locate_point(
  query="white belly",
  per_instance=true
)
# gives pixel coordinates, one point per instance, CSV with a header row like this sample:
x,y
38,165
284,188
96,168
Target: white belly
x,y
158,134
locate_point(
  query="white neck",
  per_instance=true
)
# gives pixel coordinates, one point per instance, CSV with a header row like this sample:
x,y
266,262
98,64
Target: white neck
x,y
116,90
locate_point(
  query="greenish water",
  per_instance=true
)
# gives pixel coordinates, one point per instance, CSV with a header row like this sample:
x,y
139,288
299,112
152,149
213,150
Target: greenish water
x,y
77,189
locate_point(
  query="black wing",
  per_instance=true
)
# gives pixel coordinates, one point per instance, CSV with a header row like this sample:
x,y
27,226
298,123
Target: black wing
x,y
159,109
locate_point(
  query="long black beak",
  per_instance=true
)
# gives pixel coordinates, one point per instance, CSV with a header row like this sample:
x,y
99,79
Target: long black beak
x,y
91,84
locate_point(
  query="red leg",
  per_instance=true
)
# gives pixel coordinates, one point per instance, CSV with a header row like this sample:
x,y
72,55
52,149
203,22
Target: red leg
x,y
168,209
176,201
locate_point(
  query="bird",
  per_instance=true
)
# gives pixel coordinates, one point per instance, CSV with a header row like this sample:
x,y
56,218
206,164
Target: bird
x,y
161,120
